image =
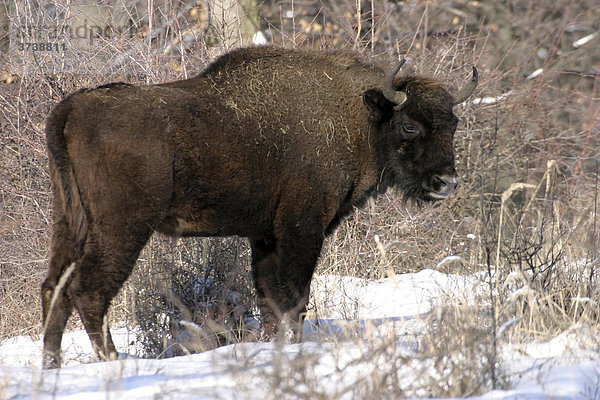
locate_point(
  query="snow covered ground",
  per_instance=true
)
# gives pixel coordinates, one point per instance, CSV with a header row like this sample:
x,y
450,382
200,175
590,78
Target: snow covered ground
x,y
360,344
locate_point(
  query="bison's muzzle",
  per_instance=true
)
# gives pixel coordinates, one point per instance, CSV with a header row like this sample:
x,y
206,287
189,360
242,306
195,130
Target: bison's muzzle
x,y
439,187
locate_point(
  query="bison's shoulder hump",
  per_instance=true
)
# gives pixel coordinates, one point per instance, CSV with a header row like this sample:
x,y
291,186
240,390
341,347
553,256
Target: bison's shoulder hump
x,y
343,59
241,55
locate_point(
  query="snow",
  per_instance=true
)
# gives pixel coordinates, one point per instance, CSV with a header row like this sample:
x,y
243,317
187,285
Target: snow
x,y
259,39
585,39
360,330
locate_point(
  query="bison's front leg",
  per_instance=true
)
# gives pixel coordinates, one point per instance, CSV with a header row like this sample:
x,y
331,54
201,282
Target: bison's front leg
x,y
265,265
282,270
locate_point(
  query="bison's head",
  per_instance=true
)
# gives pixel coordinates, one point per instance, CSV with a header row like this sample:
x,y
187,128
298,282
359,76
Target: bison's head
x,y
415,125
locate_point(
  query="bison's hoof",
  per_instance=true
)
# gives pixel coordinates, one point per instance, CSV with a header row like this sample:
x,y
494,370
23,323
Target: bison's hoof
x,y
288,332
50,361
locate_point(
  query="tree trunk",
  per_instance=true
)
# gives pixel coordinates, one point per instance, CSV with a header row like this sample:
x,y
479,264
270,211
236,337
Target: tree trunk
x,y
234,21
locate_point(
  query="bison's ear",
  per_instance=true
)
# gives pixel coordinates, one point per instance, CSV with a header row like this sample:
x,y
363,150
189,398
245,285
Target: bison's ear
x,y
379,107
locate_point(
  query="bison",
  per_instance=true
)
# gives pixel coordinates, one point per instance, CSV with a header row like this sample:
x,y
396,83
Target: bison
x,y
272,144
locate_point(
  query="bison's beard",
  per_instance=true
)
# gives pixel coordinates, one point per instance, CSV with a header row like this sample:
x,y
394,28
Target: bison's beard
x,y
417,194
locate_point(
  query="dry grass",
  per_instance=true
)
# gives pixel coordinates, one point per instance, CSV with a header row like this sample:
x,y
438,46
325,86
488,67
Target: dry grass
x,y
525,212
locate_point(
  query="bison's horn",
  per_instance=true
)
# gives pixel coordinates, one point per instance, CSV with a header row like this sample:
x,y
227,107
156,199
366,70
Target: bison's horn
x,y
389,90
468,89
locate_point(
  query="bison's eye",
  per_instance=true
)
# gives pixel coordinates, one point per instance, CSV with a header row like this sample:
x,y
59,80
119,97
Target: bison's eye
x,y
409,131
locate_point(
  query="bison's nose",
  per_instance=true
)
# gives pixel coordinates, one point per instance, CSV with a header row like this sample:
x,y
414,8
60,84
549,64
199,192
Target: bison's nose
x,y
440,186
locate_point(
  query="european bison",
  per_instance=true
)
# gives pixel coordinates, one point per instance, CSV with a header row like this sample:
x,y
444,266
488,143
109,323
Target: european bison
x,y
273,144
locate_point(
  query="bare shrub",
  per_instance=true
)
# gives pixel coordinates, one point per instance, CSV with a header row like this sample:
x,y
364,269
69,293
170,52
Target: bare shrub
x,y
192,296
459,351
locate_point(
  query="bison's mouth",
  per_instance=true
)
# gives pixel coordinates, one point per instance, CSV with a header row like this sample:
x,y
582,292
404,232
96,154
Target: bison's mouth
x,y
431,188
422,196
435,196
439,187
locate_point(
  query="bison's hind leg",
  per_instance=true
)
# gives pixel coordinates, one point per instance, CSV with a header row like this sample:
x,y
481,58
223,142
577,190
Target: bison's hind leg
x,y
56,305
106,264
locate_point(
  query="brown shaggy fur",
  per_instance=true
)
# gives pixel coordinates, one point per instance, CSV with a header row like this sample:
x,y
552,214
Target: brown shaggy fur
x,y
272,144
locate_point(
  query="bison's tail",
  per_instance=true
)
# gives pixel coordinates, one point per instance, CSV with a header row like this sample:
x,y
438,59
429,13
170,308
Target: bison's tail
x,y
67,204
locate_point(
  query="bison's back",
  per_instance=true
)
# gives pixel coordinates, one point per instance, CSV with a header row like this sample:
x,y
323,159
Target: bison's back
x,y
306,107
